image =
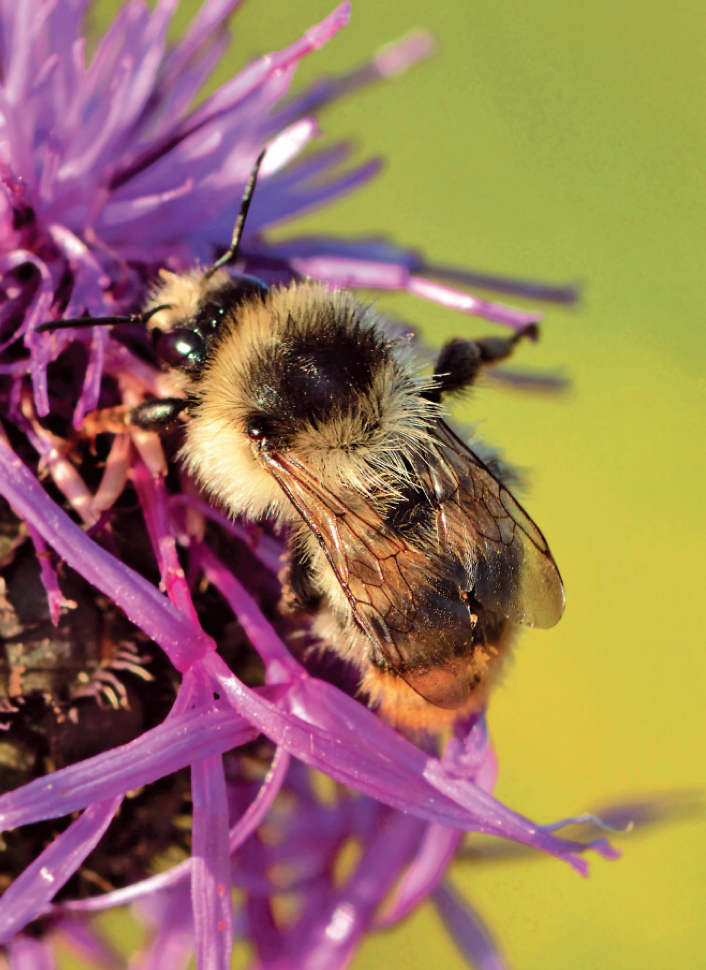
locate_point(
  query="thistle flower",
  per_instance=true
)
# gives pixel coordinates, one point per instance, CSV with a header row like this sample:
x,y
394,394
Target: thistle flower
x,y
109,174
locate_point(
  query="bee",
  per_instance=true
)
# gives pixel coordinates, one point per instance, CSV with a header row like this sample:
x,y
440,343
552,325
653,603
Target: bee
x,y
413,558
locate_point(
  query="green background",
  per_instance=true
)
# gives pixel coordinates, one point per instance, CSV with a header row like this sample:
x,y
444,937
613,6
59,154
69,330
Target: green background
x,y
563,140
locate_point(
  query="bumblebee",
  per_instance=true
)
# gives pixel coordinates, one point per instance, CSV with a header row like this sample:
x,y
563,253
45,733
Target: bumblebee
x,y
409,552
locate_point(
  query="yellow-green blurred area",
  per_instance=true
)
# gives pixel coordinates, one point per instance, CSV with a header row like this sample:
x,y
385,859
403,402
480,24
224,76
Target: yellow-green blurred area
x,y
564,141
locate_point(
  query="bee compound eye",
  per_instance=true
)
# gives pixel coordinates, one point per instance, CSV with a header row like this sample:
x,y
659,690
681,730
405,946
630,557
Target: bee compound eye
x,y
181,348
257,428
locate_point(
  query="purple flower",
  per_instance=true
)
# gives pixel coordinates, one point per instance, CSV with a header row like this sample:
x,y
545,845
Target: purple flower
x,y
109,174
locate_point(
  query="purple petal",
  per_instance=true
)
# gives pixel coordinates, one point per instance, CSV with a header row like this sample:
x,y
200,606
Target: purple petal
x,y
57,601
287,145
53,458
254,76
173,946
551,292
436,851
88,399
182,640
388,62
500,820
212,200
264,934
231,95
330,943
180,873
266,795
43,878
273,211
212,16
281,665
469,932
16,369
28,953
315,722
310,169
466,751
372,250
103,130
267,549
347,272
86,945
27,24
588,818
211,878
180,741
177,89
456,300
153,500
400,55
176,876
381,251
128,57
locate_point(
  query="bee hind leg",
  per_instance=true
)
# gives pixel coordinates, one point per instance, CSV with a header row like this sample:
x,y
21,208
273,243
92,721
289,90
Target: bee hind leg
x,y
461,361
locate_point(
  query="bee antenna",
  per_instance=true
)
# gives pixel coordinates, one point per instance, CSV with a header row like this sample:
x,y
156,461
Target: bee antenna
x,y
231,254
78,323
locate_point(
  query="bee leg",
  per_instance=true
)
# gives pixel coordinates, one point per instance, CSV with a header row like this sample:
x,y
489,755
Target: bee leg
x,y
460,361
157,415
299,594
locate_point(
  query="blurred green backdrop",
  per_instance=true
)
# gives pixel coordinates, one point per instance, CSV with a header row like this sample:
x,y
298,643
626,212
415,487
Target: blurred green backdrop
x,y
562,140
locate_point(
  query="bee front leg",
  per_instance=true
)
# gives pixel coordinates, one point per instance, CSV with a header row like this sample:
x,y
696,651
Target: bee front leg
x,y
460,361
157,415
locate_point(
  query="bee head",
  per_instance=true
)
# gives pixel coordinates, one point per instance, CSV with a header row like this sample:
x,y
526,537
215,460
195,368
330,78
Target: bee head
x,y
187,310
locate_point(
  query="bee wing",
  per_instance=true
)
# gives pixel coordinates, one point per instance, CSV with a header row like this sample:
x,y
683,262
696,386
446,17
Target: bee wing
x,y
488,544
377,570
512,571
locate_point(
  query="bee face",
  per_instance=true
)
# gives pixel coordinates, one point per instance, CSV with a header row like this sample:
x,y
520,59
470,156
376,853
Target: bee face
x,y
187,312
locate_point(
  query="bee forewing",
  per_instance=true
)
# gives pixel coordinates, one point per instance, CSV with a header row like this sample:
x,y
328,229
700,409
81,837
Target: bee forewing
x,y
513,572
384,581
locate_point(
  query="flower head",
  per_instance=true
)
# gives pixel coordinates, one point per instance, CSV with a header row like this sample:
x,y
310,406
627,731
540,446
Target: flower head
x,y
109,174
